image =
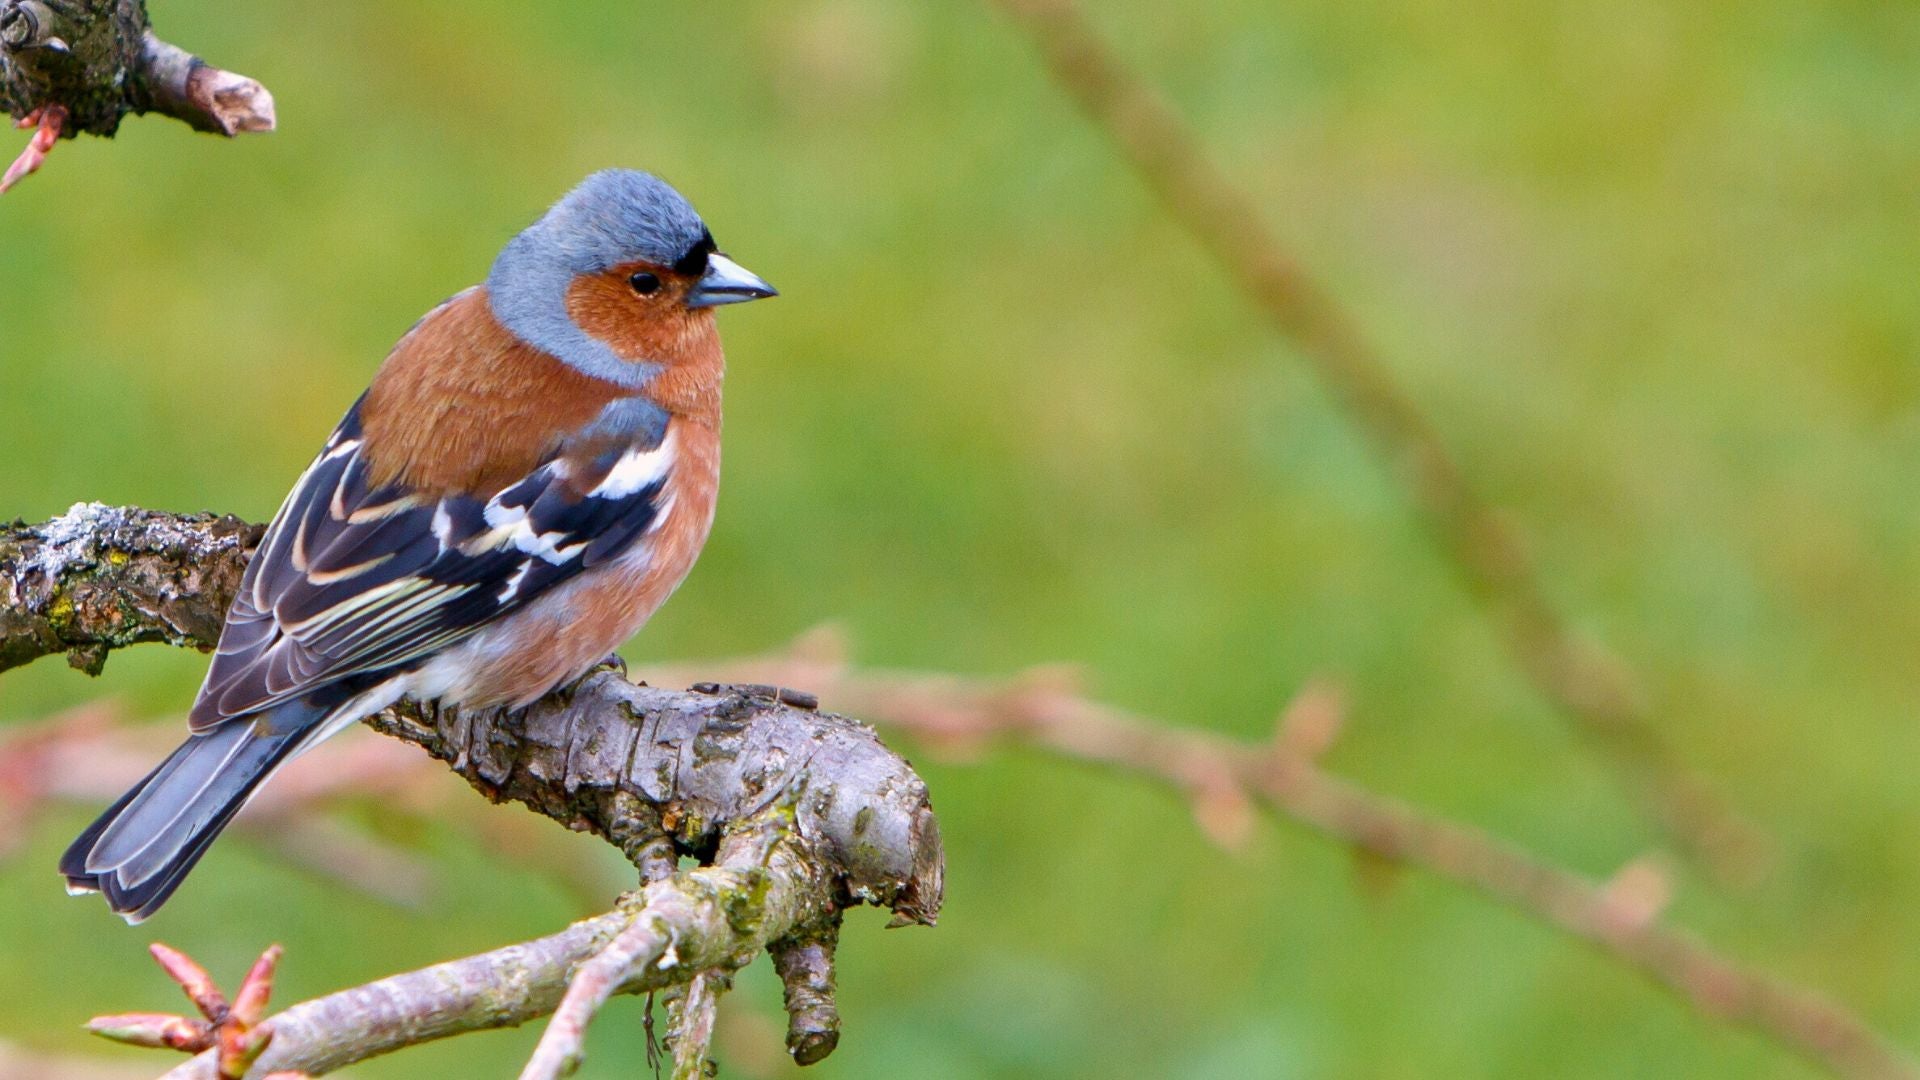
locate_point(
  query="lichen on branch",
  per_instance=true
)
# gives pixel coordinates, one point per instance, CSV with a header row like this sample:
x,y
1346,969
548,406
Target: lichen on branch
x,y
102,577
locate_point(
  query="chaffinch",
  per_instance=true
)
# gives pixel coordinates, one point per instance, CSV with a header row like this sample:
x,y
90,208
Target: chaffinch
x,y
530,475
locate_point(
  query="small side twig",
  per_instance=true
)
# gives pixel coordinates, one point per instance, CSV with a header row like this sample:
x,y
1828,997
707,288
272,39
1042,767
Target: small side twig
x,y
691,1037
646,939
671,921
805,967
232,1034
206,98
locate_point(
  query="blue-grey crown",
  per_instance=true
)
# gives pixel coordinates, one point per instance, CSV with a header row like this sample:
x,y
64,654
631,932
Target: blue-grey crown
x,y
614,216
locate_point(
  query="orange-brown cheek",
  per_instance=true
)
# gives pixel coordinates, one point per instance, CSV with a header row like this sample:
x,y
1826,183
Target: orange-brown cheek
x,y
657,329
636,328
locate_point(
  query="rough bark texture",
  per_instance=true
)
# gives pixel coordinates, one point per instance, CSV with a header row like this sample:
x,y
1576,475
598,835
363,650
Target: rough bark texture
x,y
102,577
795,814
806,973
645,767
99,60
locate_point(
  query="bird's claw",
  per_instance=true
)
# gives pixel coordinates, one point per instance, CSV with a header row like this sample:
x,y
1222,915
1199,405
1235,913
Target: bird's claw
x,y
48,122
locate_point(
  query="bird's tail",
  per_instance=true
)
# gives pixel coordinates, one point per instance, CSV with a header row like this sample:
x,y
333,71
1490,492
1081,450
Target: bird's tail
x,y
140,850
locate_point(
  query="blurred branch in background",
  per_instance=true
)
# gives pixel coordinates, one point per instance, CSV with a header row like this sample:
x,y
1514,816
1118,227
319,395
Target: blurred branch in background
x,y
1229,782
1579,676
795,815
68,66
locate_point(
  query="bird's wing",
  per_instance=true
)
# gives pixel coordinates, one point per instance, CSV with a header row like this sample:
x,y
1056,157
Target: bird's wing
x,y
351,579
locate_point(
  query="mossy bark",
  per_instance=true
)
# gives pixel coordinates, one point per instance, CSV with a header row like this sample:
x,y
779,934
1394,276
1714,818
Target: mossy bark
x,y
99,60
80,54
101,578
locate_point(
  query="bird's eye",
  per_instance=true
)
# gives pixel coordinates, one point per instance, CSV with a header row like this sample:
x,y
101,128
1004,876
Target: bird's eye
x,y
644,283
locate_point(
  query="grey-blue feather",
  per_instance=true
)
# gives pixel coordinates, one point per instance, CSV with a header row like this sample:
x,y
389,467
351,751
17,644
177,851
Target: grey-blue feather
x,y
630,420
614,216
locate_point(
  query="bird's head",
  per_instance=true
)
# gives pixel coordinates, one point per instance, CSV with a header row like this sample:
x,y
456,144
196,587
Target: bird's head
x,y
618,279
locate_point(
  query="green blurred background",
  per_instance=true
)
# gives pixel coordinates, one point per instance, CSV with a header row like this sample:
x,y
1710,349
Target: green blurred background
x,y
1650,268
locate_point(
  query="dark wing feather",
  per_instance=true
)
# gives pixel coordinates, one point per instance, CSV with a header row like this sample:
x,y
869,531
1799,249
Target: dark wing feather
x,y
352,578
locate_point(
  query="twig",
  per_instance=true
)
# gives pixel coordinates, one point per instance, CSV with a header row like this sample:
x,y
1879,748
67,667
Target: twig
x,y
691,1039
232,1035
1577,675
645,940
766,847
205,98
502,988
806,977
703,919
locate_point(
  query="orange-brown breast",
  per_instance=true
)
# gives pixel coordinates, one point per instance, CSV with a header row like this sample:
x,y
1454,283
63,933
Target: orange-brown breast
x,y
462,405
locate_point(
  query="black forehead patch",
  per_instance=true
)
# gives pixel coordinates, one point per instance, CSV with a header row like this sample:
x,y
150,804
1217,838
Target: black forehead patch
x,y
694,262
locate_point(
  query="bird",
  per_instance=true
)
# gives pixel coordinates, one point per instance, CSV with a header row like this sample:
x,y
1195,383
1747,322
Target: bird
x,y
531,473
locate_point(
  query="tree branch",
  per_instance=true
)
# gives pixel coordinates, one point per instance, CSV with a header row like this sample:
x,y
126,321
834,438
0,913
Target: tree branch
x,y
69,66
798,813
692,1037
802,812
101,577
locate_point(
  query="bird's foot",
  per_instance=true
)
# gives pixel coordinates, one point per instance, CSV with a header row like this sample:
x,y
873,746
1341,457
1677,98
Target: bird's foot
x,y
47,122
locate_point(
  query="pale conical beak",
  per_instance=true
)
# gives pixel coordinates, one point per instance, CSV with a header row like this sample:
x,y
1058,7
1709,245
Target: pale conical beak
x,y
727,282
